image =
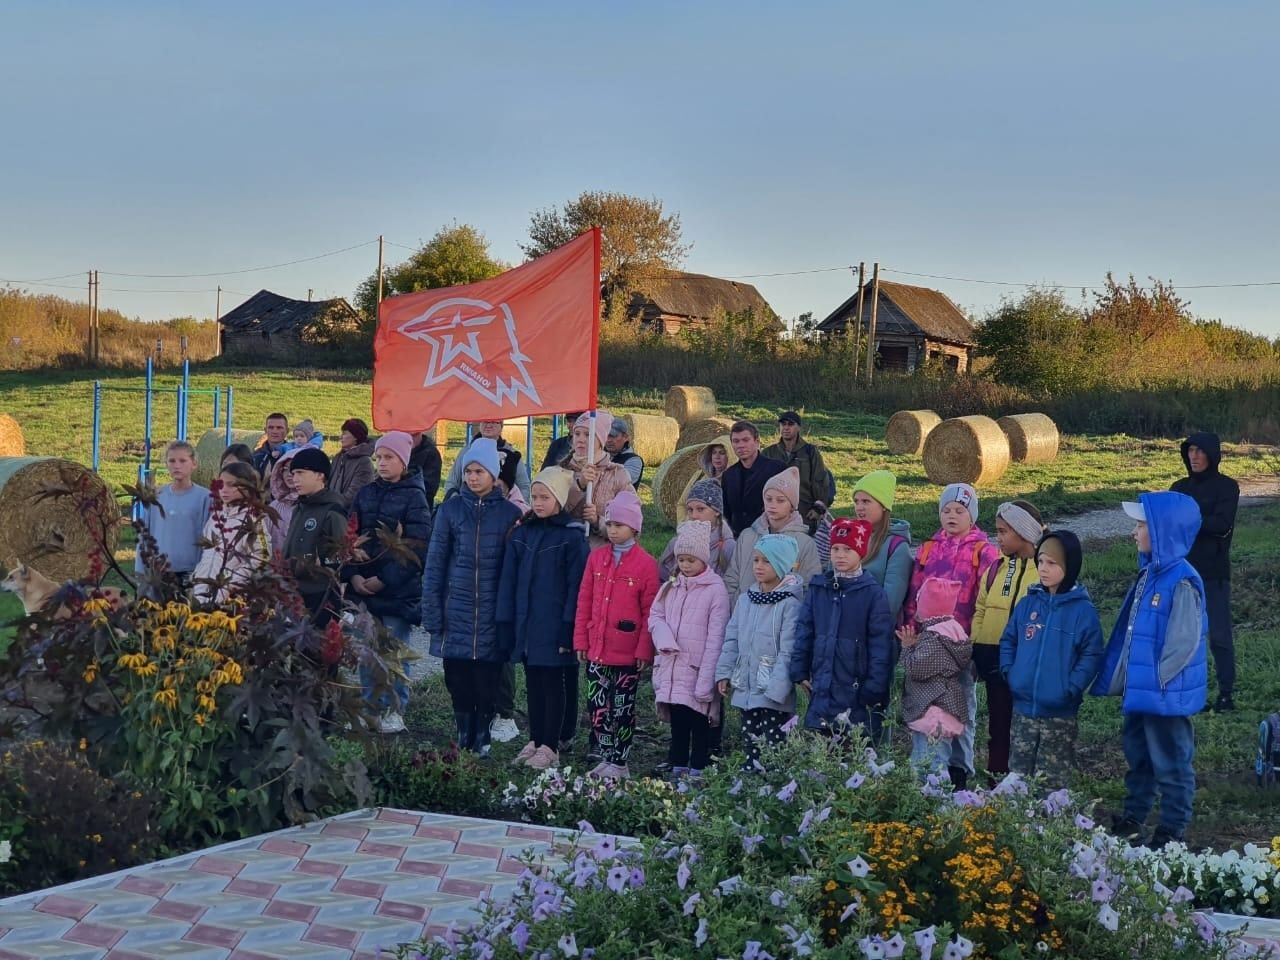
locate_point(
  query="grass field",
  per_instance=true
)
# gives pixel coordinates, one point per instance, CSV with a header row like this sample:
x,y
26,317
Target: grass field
x,y
55,411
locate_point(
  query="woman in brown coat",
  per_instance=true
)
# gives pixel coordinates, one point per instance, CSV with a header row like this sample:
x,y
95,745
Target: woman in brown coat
x,y
352,467
609,478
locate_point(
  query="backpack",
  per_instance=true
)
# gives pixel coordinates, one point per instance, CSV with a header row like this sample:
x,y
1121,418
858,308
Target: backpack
x,y
927,548
1267,764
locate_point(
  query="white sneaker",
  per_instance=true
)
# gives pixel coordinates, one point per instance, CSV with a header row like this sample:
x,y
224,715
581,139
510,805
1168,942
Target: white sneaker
x,y
391,722
503,729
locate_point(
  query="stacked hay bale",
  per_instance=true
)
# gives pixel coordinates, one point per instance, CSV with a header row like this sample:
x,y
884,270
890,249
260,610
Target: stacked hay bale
x,y
54,516
690,403
907,430
516,432
969,450
704,431
676,474
211,446
1033,437
653,437
12,441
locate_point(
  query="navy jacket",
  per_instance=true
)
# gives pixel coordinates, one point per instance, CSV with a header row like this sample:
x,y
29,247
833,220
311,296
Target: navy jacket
x,y
1051,650
464,562
843,647
538,593
402,505
1218,497
744,491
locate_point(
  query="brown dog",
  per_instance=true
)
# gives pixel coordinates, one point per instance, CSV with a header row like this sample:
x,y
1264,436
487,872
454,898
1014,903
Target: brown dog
x,y
36,591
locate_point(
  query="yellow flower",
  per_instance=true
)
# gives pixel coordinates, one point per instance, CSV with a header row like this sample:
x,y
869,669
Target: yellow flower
x,y
91,672
97,605
166,698
165,638
199,719
149,669
207,704
132,661
84,744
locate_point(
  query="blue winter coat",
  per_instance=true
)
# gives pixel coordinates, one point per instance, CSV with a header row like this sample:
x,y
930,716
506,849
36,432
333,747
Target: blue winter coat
x,y
464,562
1050,651
401,505
538,592
1155,668
843,647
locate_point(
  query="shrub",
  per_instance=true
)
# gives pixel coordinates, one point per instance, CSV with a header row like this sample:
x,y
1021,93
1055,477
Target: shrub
x,y
558,798
448,780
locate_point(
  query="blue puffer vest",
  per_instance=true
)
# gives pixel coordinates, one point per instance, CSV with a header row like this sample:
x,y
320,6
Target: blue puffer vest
x,y
1173,520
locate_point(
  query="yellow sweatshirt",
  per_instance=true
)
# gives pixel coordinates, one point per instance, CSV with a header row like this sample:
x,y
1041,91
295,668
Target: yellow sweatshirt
x,y
1002,587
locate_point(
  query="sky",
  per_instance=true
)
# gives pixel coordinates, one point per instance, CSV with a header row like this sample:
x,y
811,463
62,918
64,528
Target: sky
x,y
1017,142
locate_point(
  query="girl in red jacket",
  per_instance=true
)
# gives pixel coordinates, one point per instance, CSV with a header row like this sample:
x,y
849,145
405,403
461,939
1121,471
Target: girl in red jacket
x,y
611,632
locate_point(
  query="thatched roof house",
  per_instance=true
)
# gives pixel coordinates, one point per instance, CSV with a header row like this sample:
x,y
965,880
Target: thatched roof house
x,y
676,300
913,325
268,326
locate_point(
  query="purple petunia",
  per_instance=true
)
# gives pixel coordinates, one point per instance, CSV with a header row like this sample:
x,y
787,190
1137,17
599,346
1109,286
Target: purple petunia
x,y
850,910
1182,895
617,879
925,940
730,885
585,827
855,781
691,814
700,935
520,936
736,788
683,873
967,798
1101,892
606,847
568,945
895,947
637,878
1011,785
750,843
858,867
693,900
1204,926
806,822
778,899
1083,822
1057,802
823,815
788,792
751,950
1108,917
791,724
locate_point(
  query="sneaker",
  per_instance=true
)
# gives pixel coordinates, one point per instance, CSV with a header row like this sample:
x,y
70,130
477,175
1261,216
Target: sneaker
x,y
391,722
544,758
662,769
1224,705
1162,837
503,729
525,753
1127,828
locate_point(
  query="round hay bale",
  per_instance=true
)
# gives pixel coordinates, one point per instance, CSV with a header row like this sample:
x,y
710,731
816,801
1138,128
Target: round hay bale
x,y
653,437
1033,437
704,431
907,430
515,432
969,450
677,472
439,432
690,403
211,446
41,523
12,441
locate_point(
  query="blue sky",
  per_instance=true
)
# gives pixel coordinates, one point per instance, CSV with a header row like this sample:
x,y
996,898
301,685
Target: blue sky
x,y
999,141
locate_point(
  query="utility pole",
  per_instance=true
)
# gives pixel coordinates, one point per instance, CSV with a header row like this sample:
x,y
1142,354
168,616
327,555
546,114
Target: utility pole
x,y
871,332
857,329
217,320
88,346
379,304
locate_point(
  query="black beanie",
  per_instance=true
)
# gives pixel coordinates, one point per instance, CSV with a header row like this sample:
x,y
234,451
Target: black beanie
x,y
357,428
1072,552
310,458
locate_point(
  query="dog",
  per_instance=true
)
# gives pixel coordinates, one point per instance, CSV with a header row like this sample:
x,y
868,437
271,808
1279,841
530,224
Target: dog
x,y
36,591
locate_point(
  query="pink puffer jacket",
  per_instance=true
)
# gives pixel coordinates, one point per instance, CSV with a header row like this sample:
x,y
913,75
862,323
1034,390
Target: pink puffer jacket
x,y
687,625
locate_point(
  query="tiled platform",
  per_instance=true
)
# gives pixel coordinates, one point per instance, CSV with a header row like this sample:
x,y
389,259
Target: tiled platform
x,y
335,890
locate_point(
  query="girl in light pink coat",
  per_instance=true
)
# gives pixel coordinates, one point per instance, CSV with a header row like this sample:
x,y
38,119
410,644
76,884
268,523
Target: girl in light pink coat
x,y
687,624
284,497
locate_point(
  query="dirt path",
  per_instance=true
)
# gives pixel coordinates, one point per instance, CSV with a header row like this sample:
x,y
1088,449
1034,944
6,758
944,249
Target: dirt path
x,y
1113,524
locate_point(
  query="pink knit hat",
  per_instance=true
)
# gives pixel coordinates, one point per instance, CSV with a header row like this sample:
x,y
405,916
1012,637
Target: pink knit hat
x,y
937,598
786,483
401,444
693,539
625,508
604,420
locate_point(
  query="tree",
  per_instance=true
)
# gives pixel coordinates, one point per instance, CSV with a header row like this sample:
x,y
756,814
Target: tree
x,y
455,255
637,237
1040,342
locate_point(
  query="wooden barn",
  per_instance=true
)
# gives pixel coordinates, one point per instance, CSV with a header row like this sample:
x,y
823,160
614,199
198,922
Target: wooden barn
x,y
270,328
679,300
913,326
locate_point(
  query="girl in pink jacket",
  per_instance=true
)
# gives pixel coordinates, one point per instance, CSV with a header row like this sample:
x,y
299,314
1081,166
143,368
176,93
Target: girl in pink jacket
x,y
687,625
611,632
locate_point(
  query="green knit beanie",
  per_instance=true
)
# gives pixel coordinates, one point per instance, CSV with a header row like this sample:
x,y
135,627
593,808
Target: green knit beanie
x,y
881,485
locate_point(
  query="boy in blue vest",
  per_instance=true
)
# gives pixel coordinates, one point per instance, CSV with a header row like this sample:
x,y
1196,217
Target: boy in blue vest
x,y
1156,662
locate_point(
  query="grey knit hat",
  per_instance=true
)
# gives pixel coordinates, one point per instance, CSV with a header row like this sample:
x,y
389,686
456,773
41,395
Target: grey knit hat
x,y
709,492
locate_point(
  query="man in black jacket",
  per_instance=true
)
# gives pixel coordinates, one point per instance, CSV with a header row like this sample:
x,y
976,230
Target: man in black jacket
x,y
1218,497
743,483
425,458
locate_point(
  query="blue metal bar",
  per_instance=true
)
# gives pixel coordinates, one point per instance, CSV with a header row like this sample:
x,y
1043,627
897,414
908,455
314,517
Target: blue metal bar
x,y
177,416
97,424
231,397
528,445
466,442
217,402
139,511
186,396
147,440
555,427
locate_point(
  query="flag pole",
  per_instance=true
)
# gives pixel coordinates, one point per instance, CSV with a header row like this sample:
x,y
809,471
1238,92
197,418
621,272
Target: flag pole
x,y
591,454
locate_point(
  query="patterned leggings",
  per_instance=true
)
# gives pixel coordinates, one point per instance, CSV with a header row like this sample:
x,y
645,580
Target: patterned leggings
x,y
761,726
611,700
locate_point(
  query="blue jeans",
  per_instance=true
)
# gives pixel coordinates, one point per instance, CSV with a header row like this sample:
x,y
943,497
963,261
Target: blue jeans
x,y
1160,751
931,755
399,628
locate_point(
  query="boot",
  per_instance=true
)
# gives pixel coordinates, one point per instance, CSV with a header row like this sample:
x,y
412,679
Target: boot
x,y
1162,837
959,777
480,733
462,719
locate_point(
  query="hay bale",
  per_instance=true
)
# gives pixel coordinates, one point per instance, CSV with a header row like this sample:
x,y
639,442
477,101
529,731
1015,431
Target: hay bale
x,y
966,450
439,432
12,441
677,472
44,528
653,437
704,431
690,403
907,430
515,432
211,446
1033,437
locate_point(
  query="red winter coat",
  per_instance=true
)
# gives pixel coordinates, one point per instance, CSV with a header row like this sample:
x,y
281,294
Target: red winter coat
x,y
612,594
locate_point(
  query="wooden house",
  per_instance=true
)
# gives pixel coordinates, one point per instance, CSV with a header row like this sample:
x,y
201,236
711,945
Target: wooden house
x,y
678,300
268,328
913,326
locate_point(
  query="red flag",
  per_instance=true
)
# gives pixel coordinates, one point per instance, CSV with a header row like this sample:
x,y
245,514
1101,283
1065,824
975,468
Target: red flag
x,y
521,344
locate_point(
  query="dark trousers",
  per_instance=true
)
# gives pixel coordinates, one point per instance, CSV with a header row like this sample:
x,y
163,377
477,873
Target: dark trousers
x,y
986,657
544,687
504,702
690,738
1217,596
1160,752
569,724
472,685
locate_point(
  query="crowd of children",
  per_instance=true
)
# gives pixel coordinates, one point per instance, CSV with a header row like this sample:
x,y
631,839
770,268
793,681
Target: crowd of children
x,y
549,574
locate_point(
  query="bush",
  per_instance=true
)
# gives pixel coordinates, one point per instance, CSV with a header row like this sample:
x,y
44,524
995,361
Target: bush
x,y
446,780
558,798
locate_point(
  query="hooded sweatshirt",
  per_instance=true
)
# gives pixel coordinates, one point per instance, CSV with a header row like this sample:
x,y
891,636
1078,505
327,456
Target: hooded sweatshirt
x,y
317,529
1218,497
1051,650
965,558
283,502
739,577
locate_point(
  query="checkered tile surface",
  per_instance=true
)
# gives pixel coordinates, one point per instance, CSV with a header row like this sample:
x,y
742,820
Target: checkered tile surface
x,y
335,890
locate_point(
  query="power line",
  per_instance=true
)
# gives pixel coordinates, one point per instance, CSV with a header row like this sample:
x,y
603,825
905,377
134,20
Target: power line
x,y
228,273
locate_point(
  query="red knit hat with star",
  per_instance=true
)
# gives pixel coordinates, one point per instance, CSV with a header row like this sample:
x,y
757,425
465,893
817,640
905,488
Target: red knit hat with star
x,y
855,534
